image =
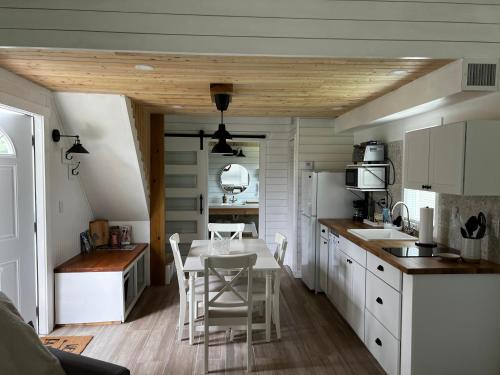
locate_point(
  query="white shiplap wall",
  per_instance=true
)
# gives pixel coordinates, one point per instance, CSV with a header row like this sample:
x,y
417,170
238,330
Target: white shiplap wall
x,y
250,162
274,162
319,143
355,28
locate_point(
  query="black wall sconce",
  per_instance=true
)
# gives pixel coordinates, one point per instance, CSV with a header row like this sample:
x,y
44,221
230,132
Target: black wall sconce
x,y
77,148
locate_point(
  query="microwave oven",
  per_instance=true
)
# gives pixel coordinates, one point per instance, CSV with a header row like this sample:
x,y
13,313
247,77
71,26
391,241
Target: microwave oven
x,y
365,177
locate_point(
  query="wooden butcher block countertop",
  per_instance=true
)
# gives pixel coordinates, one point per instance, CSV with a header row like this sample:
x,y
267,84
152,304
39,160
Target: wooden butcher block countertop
x,y
112,260
411,265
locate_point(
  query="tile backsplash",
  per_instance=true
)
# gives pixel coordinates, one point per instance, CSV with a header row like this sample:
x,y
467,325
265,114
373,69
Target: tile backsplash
x,y
448,228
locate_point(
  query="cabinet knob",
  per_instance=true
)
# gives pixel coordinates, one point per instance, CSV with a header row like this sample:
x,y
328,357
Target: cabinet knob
x,y
378,341
380,268
379,301
324,242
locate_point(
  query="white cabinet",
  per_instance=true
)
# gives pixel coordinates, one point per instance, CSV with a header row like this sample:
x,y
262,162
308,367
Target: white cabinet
x,y
434,159
356,275
416,166
384,347
454,159
348,286
331,289
323,264
446,158
103,293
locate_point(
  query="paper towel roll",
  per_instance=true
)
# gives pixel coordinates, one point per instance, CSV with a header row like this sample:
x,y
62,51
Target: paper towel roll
x,y
426,227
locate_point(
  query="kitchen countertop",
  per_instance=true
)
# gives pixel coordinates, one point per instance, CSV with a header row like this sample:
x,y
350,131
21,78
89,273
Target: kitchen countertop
x,y
413,265
235,205
112,260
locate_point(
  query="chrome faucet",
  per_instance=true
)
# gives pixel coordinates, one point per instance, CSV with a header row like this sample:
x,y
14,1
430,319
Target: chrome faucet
x,y
233,199
407,214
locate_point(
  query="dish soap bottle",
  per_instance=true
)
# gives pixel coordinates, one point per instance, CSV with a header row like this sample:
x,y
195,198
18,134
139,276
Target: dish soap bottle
x,y
224,198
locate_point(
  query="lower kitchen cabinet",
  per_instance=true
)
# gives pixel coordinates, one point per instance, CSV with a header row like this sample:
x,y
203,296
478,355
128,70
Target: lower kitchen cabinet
x,y
356,275
416,324
323,264
382,344
348,289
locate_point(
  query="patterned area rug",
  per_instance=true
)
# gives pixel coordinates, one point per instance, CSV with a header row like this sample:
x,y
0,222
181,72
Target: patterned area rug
x,y
71,344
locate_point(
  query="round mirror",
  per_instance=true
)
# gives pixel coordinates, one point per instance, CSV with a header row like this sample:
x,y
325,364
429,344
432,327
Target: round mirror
x,y
234,179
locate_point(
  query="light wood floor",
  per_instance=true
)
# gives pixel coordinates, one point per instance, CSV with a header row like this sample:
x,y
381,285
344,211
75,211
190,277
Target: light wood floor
x,y
315,339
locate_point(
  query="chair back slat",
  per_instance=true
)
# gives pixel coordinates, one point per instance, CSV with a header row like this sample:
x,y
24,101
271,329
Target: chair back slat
x,y
281,244
174,244
218,229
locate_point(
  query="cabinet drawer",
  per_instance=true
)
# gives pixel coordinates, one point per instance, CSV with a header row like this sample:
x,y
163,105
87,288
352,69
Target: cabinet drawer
x,y
323,231
384,347
353,250
384,303
390,274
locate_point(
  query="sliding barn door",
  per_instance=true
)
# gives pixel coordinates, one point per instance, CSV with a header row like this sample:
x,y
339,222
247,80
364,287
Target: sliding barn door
x,y
186,189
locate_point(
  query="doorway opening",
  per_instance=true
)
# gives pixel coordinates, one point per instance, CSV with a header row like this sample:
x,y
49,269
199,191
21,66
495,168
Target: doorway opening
x,y
234,186
19,250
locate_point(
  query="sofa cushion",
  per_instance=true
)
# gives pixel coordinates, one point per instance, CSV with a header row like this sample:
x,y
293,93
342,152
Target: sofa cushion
x,y
21,351
75,364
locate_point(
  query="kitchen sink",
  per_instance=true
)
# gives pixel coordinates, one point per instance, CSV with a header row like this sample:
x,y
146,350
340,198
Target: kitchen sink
x,y
381,234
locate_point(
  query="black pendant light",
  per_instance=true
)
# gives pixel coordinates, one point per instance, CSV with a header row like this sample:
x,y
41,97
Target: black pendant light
x,y
77,148
221,147
240,154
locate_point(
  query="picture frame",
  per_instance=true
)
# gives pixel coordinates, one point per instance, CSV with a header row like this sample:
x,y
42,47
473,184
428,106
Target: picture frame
x,y
85,244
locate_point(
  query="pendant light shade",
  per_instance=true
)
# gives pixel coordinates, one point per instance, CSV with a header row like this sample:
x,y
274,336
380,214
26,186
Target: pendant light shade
x,y
222,148
77,148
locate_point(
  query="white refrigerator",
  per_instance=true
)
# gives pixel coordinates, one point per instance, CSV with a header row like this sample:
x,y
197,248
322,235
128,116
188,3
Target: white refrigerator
x,y
323,196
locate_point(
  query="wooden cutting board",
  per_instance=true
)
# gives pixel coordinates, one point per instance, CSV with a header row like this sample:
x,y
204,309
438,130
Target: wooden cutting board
x,y
99,231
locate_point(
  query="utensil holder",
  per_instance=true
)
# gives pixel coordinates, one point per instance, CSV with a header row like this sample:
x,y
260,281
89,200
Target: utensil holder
x,y
471,250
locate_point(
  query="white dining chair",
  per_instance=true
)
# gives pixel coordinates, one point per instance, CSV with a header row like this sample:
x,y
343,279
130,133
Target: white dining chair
x,y
228,306
279,255
259,283
184,292
217,230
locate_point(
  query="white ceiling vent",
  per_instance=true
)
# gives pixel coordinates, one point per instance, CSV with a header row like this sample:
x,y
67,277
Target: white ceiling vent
x,y
480,75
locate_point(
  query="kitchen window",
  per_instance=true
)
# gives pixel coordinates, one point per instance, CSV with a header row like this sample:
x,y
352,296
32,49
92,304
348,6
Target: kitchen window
x,y
415,199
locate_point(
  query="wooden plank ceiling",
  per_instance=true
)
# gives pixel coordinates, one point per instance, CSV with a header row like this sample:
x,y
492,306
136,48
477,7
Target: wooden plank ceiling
x,y
179,84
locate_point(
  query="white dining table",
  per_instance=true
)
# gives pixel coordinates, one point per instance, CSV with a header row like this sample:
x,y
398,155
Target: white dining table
x,y
265,264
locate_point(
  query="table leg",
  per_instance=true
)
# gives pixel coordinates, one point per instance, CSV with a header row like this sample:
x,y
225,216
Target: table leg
x,y
268,305
192,306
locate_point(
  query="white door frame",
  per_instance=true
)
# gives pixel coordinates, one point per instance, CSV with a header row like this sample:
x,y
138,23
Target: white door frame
x,y
42,259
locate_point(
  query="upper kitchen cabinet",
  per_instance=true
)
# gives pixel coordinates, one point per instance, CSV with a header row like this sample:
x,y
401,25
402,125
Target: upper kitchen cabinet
x,y
417,159
454,159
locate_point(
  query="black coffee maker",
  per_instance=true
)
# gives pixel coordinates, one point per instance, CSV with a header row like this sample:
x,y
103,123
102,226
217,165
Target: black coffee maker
x,y
359,210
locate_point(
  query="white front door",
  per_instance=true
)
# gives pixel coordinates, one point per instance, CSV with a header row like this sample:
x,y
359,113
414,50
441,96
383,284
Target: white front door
x,y
17,214
186,174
